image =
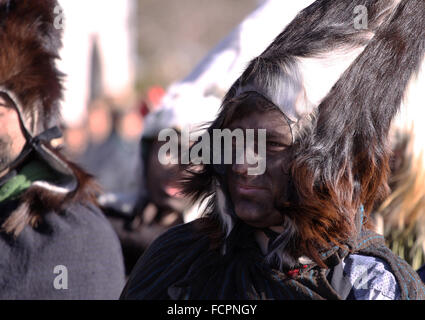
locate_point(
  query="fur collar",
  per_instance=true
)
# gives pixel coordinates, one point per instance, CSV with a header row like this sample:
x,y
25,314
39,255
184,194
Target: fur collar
x,y
44,197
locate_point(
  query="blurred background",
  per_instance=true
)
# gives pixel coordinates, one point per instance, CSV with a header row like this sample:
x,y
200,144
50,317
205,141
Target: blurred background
x,y
119,58
175,35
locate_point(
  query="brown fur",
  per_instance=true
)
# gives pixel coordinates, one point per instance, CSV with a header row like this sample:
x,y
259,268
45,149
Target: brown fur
x,y
341,160
37,201
29,44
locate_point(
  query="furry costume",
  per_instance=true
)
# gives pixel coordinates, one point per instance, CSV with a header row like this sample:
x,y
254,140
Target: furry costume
x,y
31,83
340,163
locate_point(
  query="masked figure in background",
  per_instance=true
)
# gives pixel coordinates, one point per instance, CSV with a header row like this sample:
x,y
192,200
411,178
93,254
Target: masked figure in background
x,y
188,105
55,242
300,230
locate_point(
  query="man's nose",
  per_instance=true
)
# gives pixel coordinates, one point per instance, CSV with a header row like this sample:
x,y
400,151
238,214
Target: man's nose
x,y
240,169
240,163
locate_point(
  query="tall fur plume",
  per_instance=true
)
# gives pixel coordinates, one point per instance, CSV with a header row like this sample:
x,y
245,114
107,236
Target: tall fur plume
x,y
401,216
344,163
341,152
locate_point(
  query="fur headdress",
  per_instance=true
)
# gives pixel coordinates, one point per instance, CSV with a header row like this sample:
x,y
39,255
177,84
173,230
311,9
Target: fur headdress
x,y
340,132
30,40
28,52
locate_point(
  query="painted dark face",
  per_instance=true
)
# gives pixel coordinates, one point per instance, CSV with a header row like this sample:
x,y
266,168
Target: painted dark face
x,y
258,200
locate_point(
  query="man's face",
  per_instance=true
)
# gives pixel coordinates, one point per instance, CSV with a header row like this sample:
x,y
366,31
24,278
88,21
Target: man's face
x,y
258,200
12,140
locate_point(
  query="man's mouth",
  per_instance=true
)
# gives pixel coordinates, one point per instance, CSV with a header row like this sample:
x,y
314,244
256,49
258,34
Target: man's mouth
x,y
247,189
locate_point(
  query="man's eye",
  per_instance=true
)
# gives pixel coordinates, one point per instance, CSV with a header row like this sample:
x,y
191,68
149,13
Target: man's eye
x,y
276,144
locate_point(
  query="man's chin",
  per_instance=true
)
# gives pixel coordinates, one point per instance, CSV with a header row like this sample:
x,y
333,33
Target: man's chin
x,y
252,214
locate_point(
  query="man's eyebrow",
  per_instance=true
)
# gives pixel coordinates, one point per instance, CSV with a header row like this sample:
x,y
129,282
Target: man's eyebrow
x,y
270,133
274,134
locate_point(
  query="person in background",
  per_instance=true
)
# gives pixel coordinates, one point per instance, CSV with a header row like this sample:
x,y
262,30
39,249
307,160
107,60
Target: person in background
x,y
55,242
113,137
76,140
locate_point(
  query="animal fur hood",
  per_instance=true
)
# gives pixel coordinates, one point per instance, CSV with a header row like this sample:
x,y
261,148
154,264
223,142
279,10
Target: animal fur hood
x,y
30,40
340,87
28,52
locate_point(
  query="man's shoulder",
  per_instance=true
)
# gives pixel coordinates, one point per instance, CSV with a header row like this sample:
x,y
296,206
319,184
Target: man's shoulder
x,y
80,225
77,238
87,221
170,254
84,213
177,237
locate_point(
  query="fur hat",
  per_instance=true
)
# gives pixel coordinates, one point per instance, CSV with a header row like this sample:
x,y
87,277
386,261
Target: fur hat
x,y
340,123
28,52
29,80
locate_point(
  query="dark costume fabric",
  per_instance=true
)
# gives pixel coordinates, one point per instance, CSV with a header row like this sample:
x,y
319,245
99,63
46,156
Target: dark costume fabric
x,y
78,238
181,265
54,242
75,236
